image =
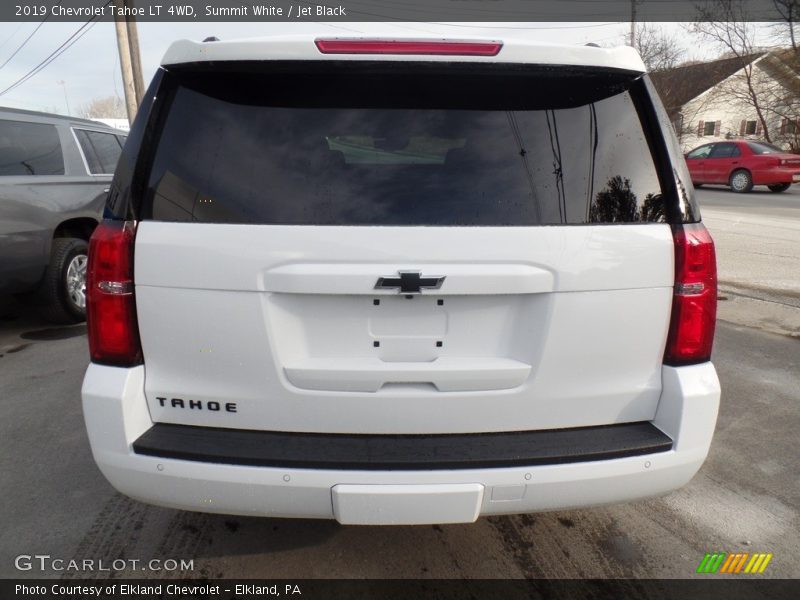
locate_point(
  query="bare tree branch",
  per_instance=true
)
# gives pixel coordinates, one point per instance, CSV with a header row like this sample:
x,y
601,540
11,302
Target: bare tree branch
x,y
659,50
110,107
725,23
789,10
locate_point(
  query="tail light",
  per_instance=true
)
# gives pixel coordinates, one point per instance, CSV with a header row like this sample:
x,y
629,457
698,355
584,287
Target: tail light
x,y
694,303
110,300
361,46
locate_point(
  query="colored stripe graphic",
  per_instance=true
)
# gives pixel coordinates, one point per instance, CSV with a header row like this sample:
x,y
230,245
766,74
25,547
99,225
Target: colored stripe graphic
x,y
741,562
758,563
735,562
711,562
764,564
723,562
703,563
727,564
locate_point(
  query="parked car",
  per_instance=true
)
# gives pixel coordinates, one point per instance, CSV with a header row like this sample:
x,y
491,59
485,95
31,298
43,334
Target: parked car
x,y
741,164
55,173
381,281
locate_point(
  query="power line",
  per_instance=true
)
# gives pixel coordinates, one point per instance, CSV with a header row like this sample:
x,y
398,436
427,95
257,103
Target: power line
x,y
54,55
26,40
11,37
66,45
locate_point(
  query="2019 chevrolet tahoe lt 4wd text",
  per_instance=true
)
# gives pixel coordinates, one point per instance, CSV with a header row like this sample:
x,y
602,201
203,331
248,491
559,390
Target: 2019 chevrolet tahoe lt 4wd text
x,y
400,281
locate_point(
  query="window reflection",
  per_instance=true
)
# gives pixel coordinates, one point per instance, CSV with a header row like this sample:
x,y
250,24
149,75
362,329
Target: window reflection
x,y
221,160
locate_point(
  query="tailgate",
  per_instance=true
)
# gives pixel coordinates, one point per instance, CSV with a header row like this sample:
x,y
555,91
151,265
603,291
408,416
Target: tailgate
x,y
525,332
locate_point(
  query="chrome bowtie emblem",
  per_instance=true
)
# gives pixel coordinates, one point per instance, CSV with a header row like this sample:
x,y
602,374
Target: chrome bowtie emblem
x,y
409,282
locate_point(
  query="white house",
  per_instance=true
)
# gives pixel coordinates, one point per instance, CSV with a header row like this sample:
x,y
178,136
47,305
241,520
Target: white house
x,y
755,97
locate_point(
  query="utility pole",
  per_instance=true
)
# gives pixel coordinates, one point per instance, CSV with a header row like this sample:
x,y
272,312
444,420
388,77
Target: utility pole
x,y
63,84
136,61
633,23
127,60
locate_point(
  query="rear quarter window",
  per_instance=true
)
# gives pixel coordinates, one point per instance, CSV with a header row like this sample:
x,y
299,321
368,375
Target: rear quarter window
x,y
365,152
764,148
101,150
29,149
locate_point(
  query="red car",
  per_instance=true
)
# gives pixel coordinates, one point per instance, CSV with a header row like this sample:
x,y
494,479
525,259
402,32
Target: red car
x,y
742,164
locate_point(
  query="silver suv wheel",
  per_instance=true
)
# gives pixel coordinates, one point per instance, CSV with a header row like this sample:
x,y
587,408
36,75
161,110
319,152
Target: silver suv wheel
x,y
76,281
62,293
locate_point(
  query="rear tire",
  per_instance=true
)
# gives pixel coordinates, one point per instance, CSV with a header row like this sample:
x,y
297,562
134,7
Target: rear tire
x,y
741,181
779,187
62,295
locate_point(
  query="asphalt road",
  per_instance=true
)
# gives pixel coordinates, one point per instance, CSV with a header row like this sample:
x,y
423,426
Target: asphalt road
x,y
758,241
758,201
745,498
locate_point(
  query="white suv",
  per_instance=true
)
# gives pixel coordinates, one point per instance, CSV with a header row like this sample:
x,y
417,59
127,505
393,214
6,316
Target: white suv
x,y
400,281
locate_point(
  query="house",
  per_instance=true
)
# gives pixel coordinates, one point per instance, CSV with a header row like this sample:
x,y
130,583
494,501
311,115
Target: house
x,y
756,96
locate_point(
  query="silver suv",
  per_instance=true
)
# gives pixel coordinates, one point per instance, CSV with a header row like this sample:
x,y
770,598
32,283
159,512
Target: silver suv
x,y
55,173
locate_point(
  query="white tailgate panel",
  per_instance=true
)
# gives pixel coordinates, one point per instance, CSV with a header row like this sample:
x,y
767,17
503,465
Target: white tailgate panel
x,y
532,328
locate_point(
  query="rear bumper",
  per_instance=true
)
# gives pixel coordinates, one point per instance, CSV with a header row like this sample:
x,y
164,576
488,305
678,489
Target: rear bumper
x,y
319,451
776,176
116,417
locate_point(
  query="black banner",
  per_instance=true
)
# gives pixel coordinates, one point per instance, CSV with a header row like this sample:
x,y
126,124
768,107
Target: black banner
x,y
708,588
488,11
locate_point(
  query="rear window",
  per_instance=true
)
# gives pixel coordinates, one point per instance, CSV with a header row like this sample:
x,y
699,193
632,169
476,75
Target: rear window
x,y
402,150
29,149
101,150
764,148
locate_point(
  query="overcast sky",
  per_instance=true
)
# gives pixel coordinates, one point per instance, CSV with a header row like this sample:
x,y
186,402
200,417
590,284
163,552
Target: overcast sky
x,y
90,68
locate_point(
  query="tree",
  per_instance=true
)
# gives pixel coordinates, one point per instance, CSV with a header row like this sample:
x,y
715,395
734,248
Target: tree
x,y
653,209
616,203
789,11
781,99
110,107
659,50
725,24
